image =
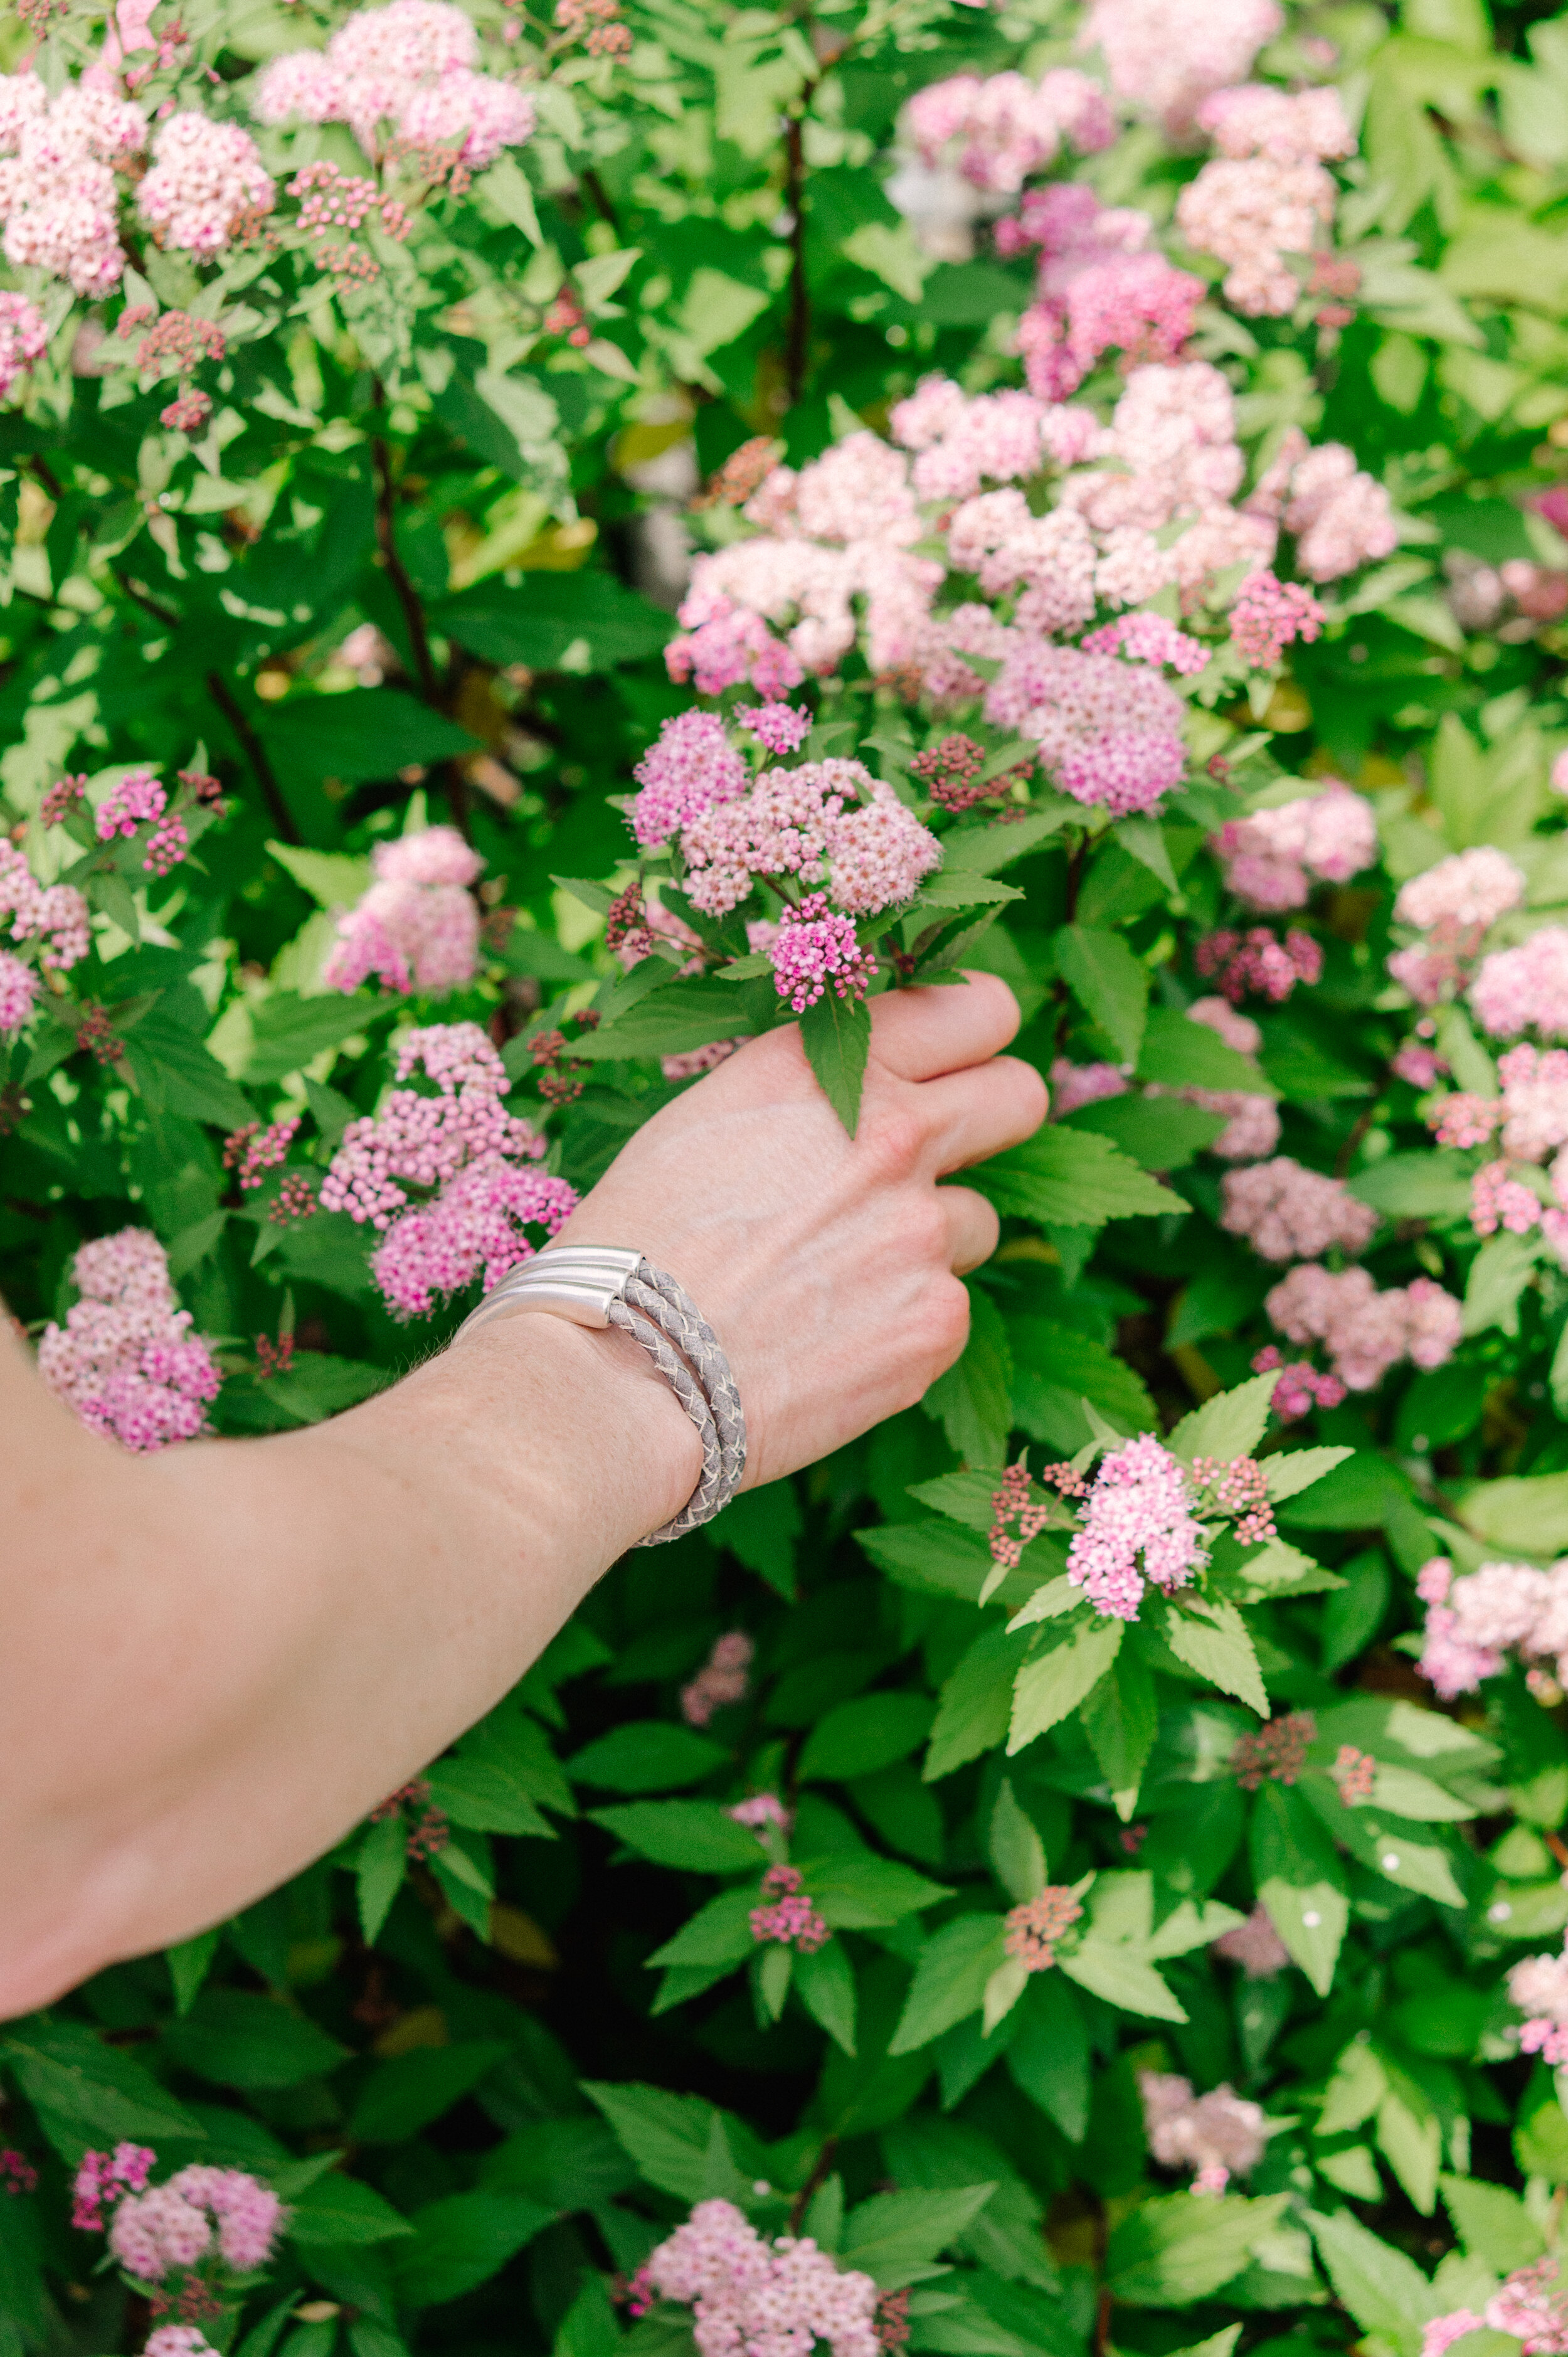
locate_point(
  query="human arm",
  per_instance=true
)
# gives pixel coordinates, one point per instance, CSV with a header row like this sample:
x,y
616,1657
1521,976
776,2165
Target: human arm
x,y
214,1661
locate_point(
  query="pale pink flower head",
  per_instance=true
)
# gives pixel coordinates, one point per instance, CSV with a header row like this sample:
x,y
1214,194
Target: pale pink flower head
x,y
759,1810
1237,1031
693,768
154,2232
205,175
249,2214
471,111
1525,989
1457,900
1034,1928
1270,615
725,1677
1079,1084
814,947
18,992
776,2299
1289,128
1220,2134
791,1918
125,1359
23,339
1439,2334
1342,518
1288,1212
1136,1524
1272,856
417,927
1165,56
1255,1945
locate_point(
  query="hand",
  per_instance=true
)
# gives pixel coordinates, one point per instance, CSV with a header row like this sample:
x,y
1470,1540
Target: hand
x,y
825,1265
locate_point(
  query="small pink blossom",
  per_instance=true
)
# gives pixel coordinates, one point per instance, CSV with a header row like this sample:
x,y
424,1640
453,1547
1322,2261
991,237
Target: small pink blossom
x,y
125,1359
1137,1524
1034,1928
725,1677
1255,1945
791,1919
1269,616
1218,2135
1288,1212
692,768
814,946
417,927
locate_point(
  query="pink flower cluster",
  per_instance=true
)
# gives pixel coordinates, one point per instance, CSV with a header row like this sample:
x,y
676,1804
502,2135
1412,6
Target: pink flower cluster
x,y
1000,131
813,947
1136,1525
724,1677
1219,2135
1165,56
408,68
206,177
1255,964
1079,1084
1366,1332
781,727
753,2298
830,815
1109,734
1253,1122
1472,1622
1151,639
1011,1502
125,1358
18,992
179,2341
1097,288
1340,516
58,191
1266,198
417,928
1255,1945
1531,2306
1269,616
138,799
760,1810
1525,989
104,2177
1354,1774
1034,1928
173,2225
791,1918
1301,1386
17,2174
1272,857
1287,1212
691,768
24,339
464,1144
252,1150
1539,1987
1453,905
1275,1753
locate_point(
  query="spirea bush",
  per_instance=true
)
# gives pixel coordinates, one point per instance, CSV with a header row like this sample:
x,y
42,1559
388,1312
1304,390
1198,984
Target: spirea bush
x,y
537,547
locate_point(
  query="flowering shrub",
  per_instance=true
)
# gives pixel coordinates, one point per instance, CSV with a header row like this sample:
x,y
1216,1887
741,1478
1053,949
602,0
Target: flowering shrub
x,y
542,544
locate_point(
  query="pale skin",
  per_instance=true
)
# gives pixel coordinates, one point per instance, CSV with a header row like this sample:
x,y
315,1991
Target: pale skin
x,y
215,1660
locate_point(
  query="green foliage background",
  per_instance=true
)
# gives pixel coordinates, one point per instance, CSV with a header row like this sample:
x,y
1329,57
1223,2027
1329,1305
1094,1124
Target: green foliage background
x,y
463,2075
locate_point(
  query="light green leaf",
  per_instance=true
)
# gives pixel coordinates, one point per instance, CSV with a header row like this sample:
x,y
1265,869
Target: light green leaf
x,y
1018,1853
949,1980
1056,1682
1230,1424
1108,981
1212,1639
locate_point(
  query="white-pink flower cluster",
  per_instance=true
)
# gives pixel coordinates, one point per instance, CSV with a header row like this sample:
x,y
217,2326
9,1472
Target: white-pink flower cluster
x,y
206,177
1101,286
1364,1331
405,71
1340,516
1452,906
1272,857
1475,1621
1217,2135
828,819
1266,200
125,1358
460,1144
58,190
1529,1121
1288,1212
1531,2306
1136,1524
1539,1987
749,2298
1525,989
1165,56
23,339
417,928
201,2210
1255,1945
1000,130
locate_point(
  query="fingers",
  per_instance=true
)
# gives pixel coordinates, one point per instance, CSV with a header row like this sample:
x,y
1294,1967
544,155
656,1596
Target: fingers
x,y
920,1033
980,1111
973,1228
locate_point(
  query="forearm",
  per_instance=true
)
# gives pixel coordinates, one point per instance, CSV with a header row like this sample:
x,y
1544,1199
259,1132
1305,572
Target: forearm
x,y
265,1639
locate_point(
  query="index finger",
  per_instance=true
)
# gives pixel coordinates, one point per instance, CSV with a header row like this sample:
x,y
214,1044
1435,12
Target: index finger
x,y
920,1034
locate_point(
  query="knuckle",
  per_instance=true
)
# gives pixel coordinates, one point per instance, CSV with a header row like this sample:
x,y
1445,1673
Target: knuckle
x,y
922,1227
896,1141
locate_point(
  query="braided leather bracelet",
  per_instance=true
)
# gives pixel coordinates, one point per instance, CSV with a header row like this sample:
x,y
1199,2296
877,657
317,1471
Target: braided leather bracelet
x,y
599,1285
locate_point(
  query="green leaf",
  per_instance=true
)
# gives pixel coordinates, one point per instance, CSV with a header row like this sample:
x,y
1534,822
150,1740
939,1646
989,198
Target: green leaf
x,y
679,1015
462,2240
240,2038
1047,2056
974,1400
288,1032
837,1035
342,2209
677,2141
1300,1882
1056,1682
647,1756
1298,1469
1173,2249
190,1962
380,1870
1527,1515
855,1890
698,1835
405,2093
856,1737
1121,1718
332,879
975,1704
1413,1187
719,1933
367,733
949,1980
1018,1853
1230,1424
1070,1179
895,2237
1110,983
1384,2291
1180,1053
482,1795
1493,2222
1499,1275
1159,1133
824,1981
176,1073
1212,1639
1114,1970
88,2093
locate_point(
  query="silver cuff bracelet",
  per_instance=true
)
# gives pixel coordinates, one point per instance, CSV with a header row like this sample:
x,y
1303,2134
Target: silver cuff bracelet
x,y
597,1285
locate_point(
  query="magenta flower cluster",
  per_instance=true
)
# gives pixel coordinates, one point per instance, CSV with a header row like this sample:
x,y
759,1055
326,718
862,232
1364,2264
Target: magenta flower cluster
x,y
1136,1527
417,927
125,1358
